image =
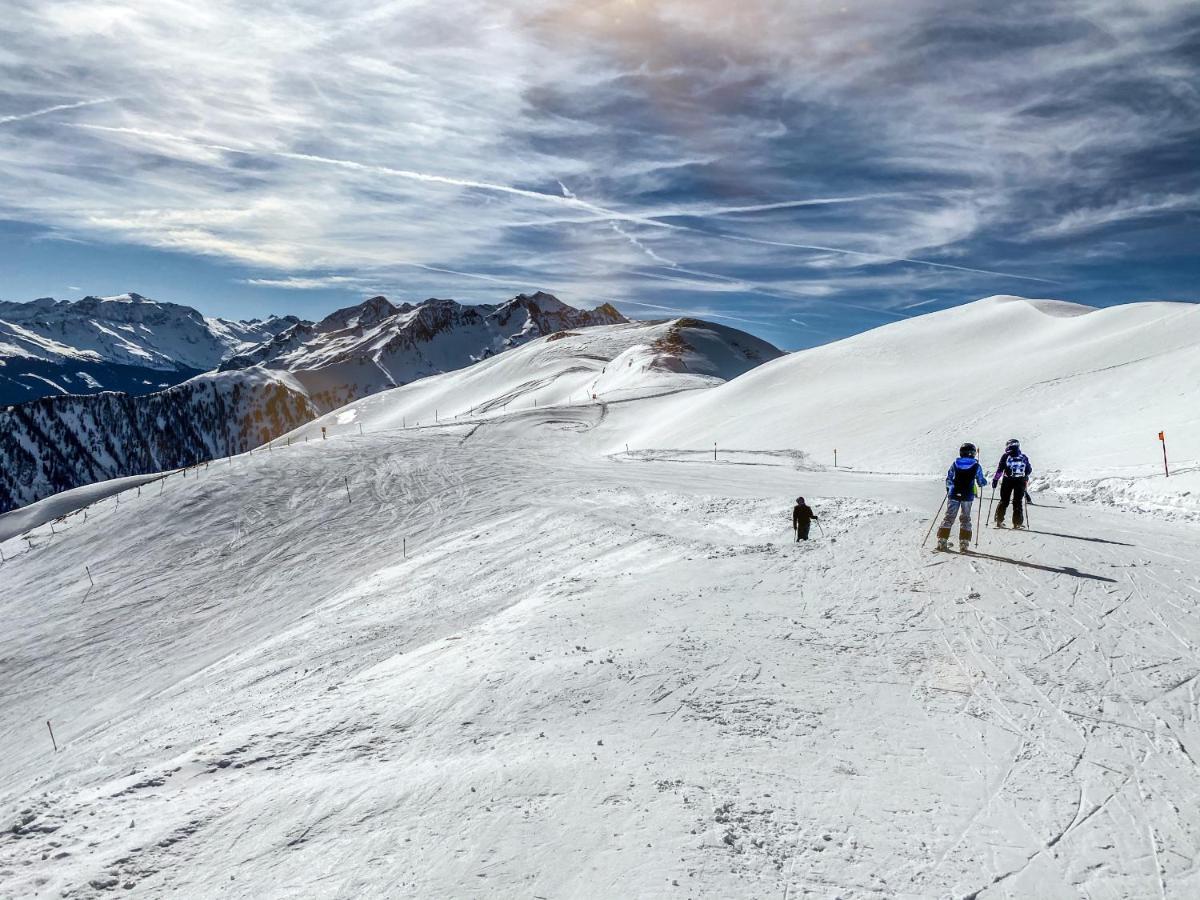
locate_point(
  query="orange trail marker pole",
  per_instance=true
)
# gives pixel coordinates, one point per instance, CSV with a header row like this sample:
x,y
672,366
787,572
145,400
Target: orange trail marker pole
x,y
1163,437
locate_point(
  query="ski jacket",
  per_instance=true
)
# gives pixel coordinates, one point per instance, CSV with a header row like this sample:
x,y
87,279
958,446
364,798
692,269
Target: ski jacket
x,y
1014,465
964,474
801,514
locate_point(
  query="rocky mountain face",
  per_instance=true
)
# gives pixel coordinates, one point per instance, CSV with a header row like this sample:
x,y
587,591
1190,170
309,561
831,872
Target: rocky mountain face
x,y
56,443
376,345
125,343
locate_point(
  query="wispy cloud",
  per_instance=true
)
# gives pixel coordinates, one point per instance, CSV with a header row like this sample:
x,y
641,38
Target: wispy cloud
x,y
780,157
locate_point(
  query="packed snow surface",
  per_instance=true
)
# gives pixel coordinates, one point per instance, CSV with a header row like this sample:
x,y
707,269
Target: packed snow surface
x,y
502,656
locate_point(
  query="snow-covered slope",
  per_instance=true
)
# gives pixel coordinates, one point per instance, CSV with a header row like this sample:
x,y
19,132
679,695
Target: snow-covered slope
x,y
603,363
58,443
127,342
485,660
1086,390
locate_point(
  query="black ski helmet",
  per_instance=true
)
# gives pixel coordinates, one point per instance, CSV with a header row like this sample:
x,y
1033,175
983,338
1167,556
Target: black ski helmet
x,y
799,501
967,449
1013,444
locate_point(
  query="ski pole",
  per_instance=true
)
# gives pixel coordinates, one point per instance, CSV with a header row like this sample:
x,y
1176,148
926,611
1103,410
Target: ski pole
x,y
979,520
934,522
990,502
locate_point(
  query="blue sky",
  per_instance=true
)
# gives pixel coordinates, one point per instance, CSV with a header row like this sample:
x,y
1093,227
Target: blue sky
x,y
803,170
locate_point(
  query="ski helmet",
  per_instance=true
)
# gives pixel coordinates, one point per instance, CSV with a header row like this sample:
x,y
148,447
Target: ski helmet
x,y
799,501
967,449
1013,444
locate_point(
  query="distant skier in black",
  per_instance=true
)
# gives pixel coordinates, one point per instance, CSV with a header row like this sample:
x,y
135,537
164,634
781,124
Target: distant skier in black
x,y
961,479
802,518
1012,474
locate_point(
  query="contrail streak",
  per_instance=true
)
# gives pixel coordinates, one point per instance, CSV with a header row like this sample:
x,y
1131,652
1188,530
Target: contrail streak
x,y
879,257
53,109
715,211
709,313
494,280
558,199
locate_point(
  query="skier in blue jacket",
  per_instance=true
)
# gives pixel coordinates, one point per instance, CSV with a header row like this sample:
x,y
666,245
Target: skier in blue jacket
x,y
1014,468
961,480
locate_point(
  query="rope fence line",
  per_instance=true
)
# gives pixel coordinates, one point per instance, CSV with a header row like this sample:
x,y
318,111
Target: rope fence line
x,y
476,415
346,430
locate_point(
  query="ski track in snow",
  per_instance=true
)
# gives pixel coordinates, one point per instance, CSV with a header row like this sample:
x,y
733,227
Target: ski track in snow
x,y
590,676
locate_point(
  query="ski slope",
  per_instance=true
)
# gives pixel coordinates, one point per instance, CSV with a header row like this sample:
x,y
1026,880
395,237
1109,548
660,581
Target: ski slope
x,y
492,657
1086,390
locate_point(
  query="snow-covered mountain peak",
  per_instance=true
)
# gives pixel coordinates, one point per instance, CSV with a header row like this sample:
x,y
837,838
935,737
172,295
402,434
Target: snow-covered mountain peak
x,y
369,312
376,345
124,342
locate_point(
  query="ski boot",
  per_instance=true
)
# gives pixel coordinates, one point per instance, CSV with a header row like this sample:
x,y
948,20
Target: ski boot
x,y
1018,526
964,546
943,539
964,541
999,523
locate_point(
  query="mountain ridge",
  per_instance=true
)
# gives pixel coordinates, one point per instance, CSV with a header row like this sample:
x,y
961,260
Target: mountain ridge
x,y
126,342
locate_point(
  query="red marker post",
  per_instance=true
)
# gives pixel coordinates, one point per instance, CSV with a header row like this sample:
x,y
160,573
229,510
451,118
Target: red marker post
x,y
1162,437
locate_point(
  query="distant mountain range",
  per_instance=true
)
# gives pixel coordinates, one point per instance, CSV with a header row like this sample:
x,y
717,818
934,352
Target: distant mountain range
x,y
376,345
255,391
125,343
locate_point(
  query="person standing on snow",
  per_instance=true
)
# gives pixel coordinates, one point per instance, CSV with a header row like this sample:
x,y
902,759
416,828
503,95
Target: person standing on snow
x,y
1012,474
802,517
961,479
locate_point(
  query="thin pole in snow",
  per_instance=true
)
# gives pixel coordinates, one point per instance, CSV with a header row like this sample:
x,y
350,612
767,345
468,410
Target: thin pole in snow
x,y
714,451
360,429
404,547
835,457
89,574
347,477
934,522
1162,436
52,740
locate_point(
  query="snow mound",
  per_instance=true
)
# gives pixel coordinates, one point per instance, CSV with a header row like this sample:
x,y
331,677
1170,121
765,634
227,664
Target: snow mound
x,y
1086,391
